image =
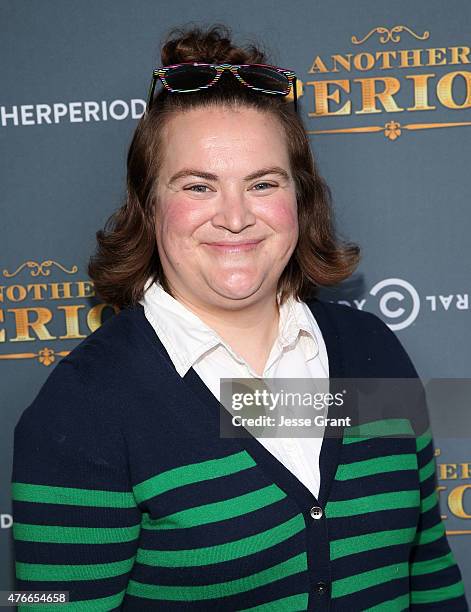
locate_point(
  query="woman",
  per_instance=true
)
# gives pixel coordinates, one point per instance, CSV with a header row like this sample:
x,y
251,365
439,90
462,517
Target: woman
x,y
124,492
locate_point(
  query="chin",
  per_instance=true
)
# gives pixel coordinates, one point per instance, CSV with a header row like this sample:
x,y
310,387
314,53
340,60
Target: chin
x,y
239,293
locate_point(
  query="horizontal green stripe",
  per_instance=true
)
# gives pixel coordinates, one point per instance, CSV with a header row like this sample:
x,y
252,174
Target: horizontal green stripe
x,y
61,573
431,534
423,440
71,496
294,603
399,604
221,589
430,501
366,542
435,595
192,473
373,503
377,465
427,470
102,604
419,568
373,429
217,511
223,552
74,535
365,580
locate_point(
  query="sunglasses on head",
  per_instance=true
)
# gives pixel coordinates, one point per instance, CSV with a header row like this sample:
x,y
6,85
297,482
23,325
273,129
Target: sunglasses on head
x,y
193,76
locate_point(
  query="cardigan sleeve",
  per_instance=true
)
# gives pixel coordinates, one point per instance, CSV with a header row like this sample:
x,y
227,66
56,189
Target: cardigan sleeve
x,y
75,519
435,578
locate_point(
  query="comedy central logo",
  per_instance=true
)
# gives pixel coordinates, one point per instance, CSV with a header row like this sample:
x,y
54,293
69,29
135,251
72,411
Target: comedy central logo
x,y
399,302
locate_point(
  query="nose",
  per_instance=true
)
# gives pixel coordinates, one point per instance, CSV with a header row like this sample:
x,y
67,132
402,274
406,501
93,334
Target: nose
x,y
234,211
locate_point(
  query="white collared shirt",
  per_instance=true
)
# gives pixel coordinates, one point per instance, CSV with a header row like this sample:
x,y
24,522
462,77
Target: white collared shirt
x,y
298,352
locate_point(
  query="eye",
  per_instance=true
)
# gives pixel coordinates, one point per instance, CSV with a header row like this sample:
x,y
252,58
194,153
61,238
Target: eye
x,y
264,183
194,188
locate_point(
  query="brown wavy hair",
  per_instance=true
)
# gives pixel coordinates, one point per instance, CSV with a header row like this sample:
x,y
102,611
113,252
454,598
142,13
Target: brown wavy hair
x,y
127,255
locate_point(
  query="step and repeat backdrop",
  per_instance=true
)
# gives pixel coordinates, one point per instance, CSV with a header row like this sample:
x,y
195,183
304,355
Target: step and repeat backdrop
x,y
385,94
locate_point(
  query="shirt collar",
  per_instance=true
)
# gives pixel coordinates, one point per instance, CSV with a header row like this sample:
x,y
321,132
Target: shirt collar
x,y
186,337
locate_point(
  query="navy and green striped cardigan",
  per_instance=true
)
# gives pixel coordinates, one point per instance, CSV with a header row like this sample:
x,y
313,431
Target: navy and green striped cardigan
x,y
125,495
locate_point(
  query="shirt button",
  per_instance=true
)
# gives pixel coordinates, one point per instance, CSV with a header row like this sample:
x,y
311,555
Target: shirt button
x,y
322,588
316,513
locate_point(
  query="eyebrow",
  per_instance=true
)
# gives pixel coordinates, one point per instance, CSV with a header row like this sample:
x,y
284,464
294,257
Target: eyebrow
x,y
209,176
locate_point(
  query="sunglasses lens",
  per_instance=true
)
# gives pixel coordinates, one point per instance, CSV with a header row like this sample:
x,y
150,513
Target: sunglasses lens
x,y
265,78
190,77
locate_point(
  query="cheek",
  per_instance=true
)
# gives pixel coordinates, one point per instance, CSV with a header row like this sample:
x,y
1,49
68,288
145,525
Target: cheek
x,y
179,219
281,215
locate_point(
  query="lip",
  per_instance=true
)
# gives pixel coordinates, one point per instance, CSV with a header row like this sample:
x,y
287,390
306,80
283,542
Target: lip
x,y
234,247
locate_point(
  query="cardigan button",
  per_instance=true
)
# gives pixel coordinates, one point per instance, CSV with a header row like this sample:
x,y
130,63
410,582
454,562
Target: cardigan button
x,y
322,588
316,512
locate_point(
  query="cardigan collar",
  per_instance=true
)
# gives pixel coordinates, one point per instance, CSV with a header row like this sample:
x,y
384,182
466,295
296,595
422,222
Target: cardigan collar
x,y
278,472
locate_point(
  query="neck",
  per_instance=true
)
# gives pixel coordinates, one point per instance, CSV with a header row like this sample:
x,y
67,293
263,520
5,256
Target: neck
x,y
250,331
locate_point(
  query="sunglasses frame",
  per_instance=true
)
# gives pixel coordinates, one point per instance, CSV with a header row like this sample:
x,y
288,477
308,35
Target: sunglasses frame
x,y
160,73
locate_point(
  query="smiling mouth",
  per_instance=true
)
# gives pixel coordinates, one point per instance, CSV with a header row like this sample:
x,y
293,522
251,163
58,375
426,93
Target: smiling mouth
x,y
234,247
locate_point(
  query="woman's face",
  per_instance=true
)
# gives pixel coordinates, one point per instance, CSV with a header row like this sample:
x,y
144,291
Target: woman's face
x,y
225,180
